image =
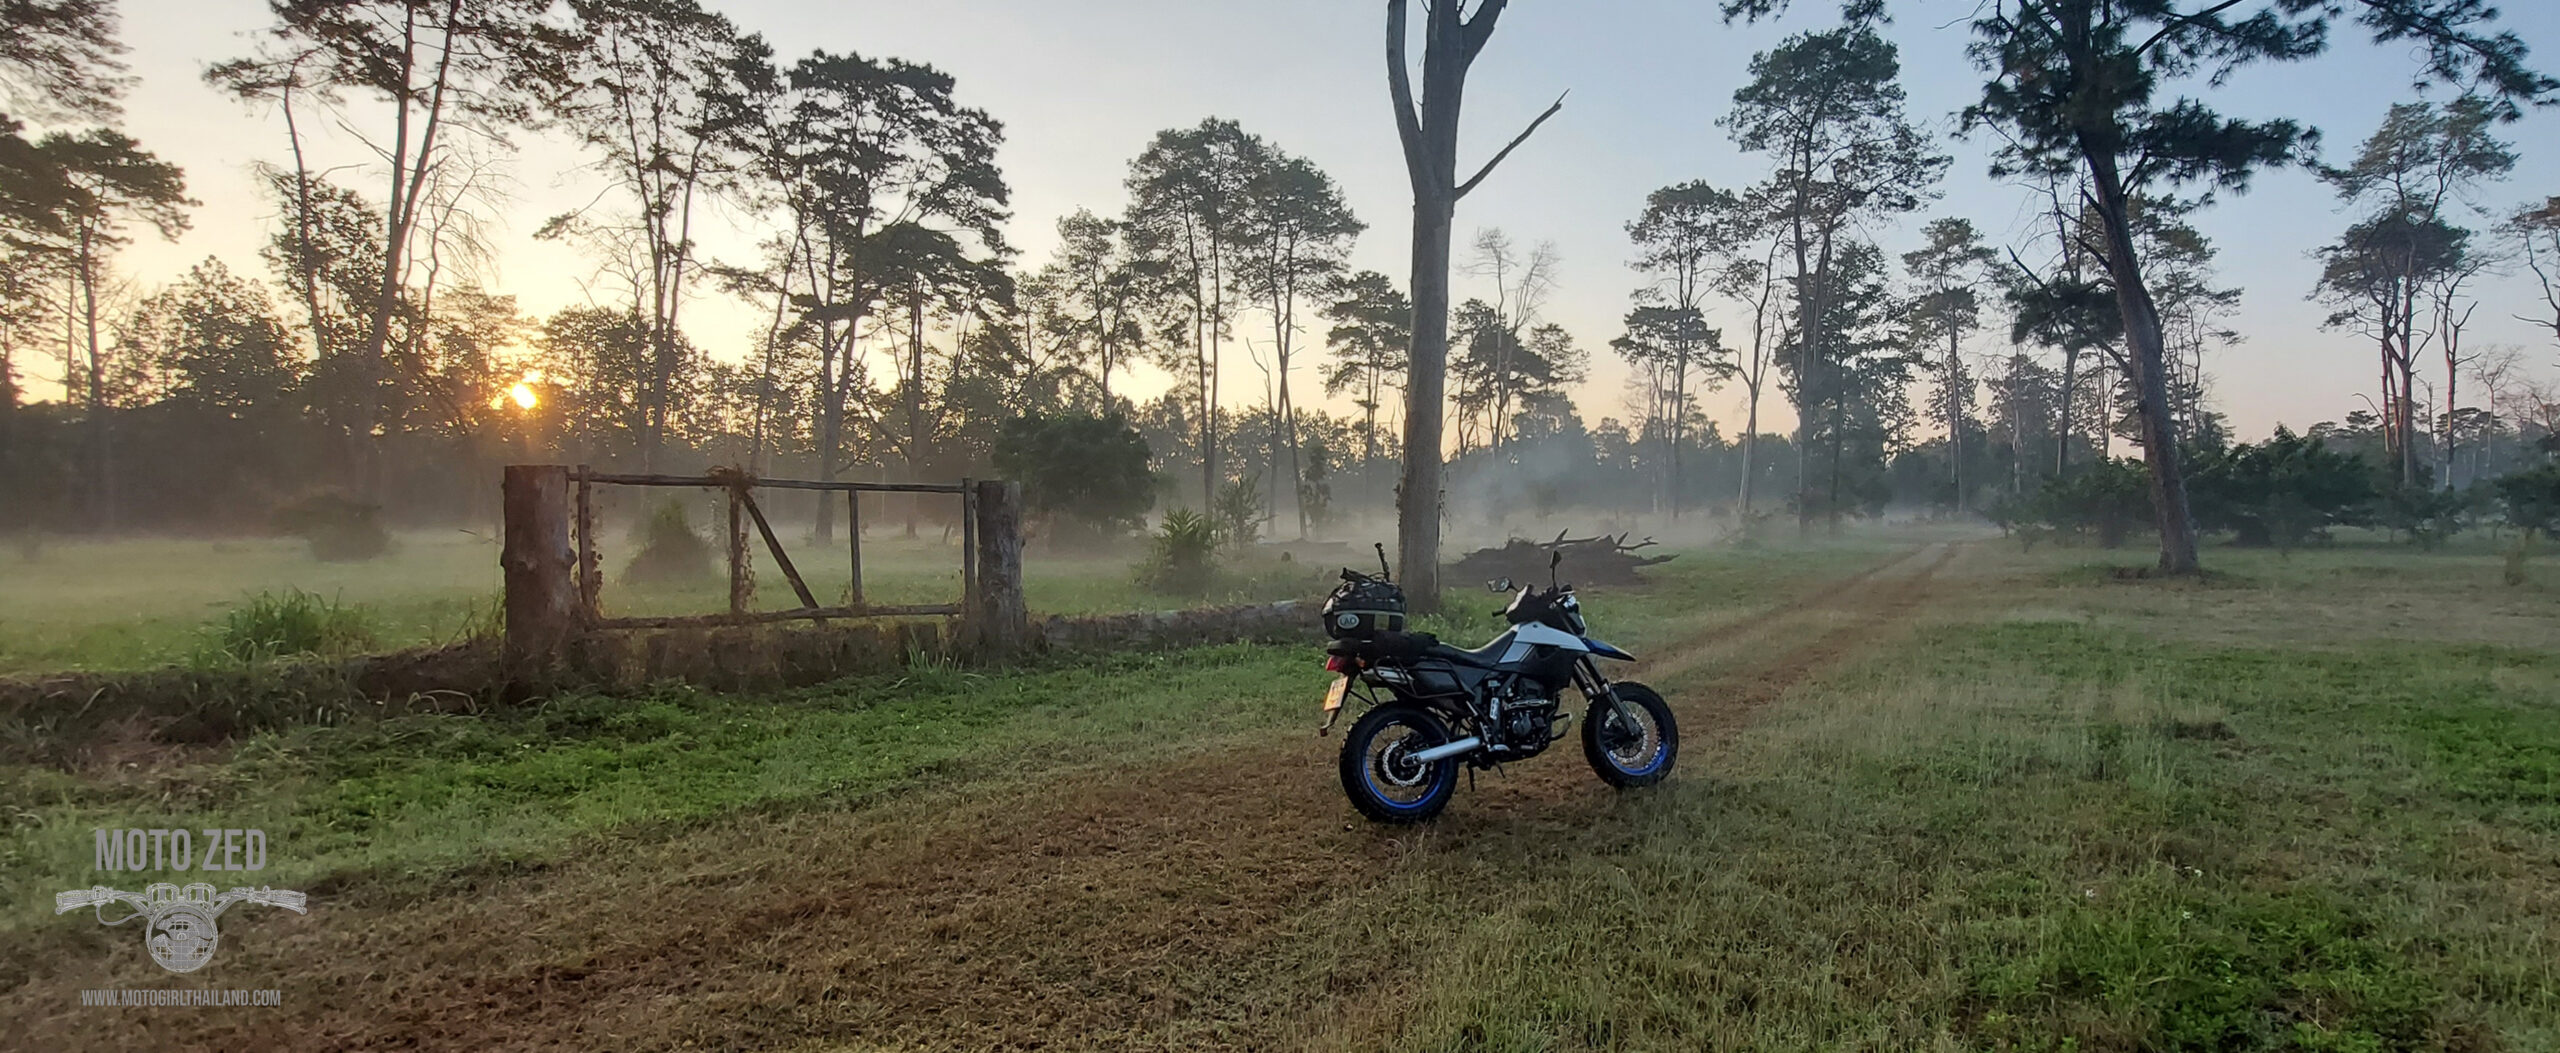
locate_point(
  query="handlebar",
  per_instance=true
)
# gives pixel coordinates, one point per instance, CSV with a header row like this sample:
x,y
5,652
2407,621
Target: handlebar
x,y
65,902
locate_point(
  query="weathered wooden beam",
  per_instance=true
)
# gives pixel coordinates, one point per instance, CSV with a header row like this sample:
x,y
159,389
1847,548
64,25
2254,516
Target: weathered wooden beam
x,y
853,542
627,479
741,587
706,621
774,545
998,619
968,541
541,588
590,565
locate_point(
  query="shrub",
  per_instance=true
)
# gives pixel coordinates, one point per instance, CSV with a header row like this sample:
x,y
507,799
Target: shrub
x,y
2281,492
2532,501
272,625
1085,477
1237,513
1183,557
670,552
2105,499
2427,516
2532,498
339,528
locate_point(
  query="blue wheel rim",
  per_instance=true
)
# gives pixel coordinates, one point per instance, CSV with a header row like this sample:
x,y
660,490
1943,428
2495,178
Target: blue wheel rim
x,y
1652,729
1441,772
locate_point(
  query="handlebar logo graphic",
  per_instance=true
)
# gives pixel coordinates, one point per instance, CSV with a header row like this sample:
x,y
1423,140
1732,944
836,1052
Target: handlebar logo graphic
x,y
179,927
179,924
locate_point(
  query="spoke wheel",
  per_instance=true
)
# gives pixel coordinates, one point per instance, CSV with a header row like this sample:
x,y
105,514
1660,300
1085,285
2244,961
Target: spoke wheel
x,y
1633,743
1380,773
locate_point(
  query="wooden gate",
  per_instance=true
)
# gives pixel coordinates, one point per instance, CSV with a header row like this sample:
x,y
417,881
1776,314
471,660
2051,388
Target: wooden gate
x,y
555,580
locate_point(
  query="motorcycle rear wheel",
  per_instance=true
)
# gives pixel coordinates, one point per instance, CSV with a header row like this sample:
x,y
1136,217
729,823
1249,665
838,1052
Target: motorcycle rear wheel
x,y
1379,774
1627,754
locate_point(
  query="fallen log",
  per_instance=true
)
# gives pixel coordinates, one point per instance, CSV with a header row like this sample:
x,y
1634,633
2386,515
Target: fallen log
x,y
1596,560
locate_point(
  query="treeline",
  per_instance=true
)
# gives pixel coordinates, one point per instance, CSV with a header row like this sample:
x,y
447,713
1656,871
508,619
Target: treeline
x,y
903,330
901,336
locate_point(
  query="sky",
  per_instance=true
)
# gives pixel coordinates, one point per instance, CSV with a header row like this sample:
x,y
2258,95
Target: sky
x,y
1081,87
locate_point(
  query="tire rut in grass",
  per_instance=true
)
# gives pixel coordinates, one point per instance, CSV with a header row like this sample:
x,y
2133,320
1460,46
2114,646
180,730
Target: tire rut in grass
x,y
1561,798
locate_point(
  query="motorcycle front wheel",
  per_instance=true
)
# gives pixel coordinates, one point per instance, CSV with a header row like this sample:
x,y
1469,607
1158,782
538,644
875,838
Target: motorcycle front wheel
x,y
1380,774
1635,748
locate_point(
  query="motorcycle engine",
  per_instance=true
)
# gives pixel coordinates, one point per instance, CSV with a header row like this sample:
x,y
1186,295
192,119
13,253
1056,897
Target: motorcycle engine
x,y
1527,720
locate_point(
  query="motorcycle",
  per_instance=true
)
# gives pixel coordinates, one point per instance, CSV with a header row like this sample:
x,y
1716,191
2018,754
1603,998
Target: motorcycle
x,y
1428,708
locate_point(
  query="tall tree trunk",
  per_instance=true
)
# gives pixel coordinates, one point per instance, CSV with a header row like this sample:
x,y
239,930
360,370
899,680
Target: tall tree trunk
x,y
1429,135
1418,494
1297,471
2017,430
1208,413
1750,438
1813,280
772,351
1955,409
1839,448
915,400
2405,411
1369,443
1679,423
833,372
306,263
1806,337
2444,442
2062,429
102,476
408,184
2146,349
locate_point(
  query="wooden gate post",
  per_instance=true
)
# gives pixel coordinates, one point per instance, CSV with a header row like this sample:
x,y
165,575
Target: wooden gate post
x,y
997,619
542,588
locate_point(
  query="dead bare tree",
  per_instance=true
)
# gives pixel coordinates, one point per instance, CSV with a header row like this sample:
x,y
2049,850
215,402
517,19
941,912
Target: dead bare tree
x,y
1452,39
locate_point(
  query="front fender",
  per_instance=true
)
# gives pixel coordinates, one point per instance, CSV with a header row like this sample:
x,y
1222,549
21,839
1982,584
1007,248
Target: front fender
x,y
1606,651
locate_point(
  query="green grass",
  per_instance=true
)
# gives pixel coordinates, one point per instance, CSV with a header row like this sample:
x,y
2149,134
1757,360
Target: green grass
x,y
411,800
139,603
119,605
407,801
2311,806
2034,834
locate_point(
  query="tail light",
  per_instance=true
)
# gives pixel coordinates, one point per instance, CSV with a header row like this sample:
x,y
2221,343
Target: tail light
x,y
1339,664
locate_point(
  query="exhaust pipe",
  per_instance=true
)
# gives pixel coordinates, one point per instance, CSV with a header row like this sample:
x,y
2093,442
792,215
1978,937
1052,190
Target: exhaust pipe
x,y
1436,753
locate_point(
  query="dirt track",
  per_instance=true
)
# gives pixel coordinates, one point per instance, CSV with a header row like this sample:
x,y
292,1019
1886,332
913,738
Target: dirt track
x,y
1101,908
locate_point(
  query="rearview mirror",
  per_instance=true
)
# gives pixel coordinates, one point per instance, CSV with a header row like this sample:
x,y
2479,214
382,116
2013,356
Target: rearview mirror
x,y
1498,585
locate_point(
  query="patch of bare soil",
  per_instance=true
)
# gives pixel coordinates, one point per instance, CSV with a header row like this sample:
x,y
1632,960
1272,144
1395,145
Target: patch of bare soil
x,y
1096,909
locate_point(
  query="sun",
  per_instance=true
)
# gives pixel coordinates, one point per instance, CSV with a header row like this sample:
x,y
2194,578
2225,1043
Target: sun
x,y
523,394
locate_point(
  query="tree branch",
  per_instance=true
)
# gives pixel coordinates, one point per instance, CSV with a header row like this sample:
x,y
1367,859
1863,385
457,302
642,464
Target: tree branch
x,y
1523,137
2173,24
1479,29
1400,91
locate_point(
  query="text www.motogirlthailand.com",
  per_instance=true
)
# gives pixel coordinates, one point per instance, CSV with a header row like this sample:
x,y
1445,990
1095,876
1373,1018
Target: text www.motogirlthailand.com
x,y
180,997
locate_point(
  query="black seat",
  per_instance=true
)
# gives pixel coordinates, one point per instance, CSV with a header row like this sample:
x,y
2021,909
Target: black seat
x,y
1485,657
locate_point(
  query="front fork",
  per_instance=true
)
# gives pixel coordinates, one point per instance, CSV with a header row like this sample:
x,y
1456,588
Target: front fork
x,y
1596,687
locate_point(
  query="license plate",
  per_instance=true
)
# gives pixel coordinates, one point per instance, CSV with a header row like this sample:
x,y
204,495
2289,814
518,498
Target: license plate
x,y
1333,696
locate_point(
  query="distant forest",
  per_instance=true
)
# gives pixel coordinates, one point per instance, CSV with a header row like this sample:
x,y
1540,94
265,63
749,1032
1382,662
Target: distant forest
x,y
358,357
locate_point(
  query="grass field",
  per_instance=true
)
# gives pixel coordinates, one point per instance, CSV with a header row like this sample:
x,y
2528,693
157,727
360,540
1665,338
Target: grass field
x,y
130,604
1934,796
